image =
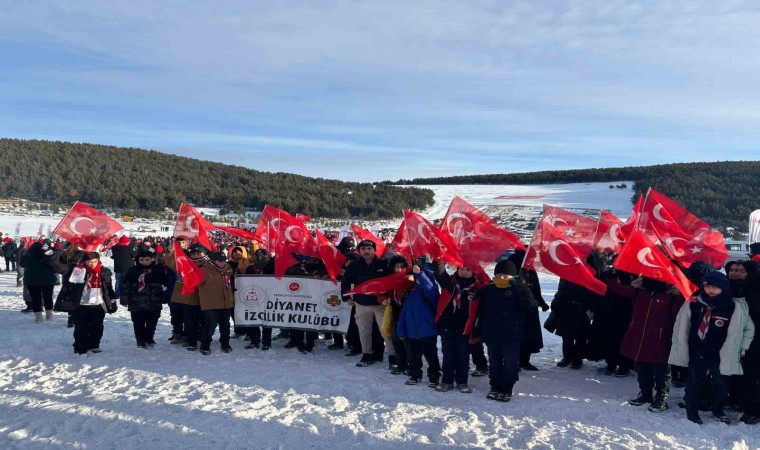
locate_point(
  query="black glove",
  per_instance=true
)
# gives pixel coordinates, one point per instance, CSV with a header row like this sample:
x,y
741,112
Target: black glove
x,y
544,306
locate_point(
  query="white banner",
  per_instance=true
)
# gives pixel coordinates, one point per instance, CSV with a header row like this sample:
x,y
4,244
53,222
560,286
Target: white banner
x,y
292,302
754,226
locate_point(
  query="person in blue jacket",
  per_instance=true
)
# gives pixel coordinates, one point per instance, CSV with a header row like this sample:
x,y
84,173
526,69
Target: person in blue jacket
x,y
501,310
417,328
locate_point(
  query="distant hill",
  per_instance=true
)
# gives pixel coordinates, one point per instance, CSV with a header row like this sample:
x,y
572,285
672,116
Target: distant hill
x,y
721,193
132,178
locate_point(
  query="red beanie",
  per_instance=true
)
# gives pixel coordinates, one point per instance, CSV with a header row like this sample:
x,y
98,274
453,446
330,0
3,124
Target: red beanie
x,y
124,240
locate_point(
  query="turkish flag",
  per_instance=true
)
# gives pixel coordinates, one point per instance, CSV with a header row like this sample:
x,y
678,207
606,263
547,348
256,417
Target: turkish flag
x,y
426,239
236,232
641,257
633,220
707,245
396,280
574,228
332,258
686,238
362,234
191,274
478,238
86,227
665,213
289,235
550,252
303,217
266,231
401,242
608,234
192,226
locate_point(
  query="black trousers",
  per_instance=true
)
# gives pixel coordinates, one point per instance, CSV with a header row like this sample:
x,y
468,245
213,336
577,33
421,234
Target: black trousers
x,y
176,311
402,359
427,347
260,335
193,323
40,295
88,327
144,325
352,334
212,318
749,392
10,262
304,339
574,349
478,354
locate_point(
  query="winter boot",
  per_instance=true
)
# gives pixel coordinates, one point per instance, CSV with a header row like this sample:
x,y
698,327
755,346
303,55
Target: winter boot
x,y
563,362
479,372
70,322
660,403
27,310
641,399
366,360
444,387
176,338
693,416
464,389
721,416
48,314
391,362
493,394
38,317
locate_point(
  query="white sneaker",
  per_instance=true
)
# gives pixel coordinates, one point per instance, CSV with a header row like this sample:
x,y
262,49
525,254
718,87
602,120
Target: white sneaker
x,y
48,315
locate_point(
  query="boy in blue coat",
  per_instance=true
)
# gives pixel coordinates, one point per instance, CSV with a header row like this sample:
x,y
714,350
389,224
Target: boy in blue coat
x,y
416,326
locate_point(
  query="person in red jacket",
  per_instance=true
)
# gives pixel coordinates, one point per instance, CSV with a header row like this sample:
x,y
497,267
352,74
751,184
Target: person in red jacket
x,y
647,341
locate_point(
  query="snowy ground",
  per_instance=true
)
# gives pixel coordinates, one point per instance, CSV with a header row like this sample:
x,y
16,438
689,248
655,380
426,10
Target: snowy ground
x,y
129,398
168,398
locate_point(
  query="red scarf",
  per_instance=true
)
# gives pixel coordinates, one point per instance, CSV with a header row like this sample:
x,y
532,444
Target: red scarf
x,y
94,281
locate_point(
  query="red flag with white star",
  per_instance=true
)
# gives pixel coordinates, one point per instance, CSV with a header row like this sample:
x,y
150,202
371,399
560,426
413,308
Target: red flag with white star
x,y
86,227
551,252
478,238
574,228
192,226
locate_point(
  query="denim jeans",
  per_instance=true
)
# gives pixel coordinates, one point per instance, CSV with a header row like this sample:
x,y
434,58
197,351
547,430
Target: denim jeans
x,y
456,357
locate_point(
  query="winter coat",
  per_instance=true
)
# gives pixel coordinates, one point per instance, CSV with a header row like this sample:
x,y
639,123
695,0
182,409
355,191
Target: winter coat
x,y
501,312
534,339
40,269
650,330
751,360
9,250
456,311
73,291
569,308
417,319
153,293
214,292
177,296
123,258
739,335
359,272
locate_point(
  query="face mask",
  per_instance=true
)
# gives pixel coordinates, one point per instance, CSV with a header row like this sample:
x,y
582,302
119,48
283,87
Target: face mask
x,y
502,283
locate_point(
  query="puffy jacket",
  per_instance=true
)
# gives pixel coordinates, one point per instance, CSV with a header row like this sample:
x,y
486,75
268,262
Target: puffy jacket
x,y
73,291
501,312
739,335
147,295
417,319
650,330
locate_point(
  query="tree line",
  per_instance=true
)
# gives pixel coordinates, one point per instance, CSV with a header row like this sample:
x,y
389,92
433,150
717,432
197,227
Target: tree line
x,y
721,193
135,179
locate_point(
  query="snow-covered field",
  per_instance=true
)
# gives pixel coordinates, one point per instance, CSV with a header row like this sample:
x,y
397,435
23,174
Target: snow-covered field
x,y
168,398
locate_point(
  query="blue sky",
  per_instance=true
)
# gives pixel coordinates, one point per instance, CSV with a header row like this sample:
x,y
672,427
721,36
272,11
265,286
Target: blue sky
x,y
367,91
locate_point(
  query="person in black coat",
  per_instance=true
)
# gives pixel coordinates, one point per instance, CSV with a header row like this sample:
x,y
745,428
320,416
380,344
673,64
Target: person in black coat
x,y
144,291
749,383
263,264
89,286
40,268
9,252
534,339
572,310
123,255
501,310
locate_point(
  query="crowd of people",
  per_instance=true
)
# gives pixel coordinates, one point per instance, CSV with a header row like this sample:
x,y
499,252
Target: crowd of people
x,y
705,343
